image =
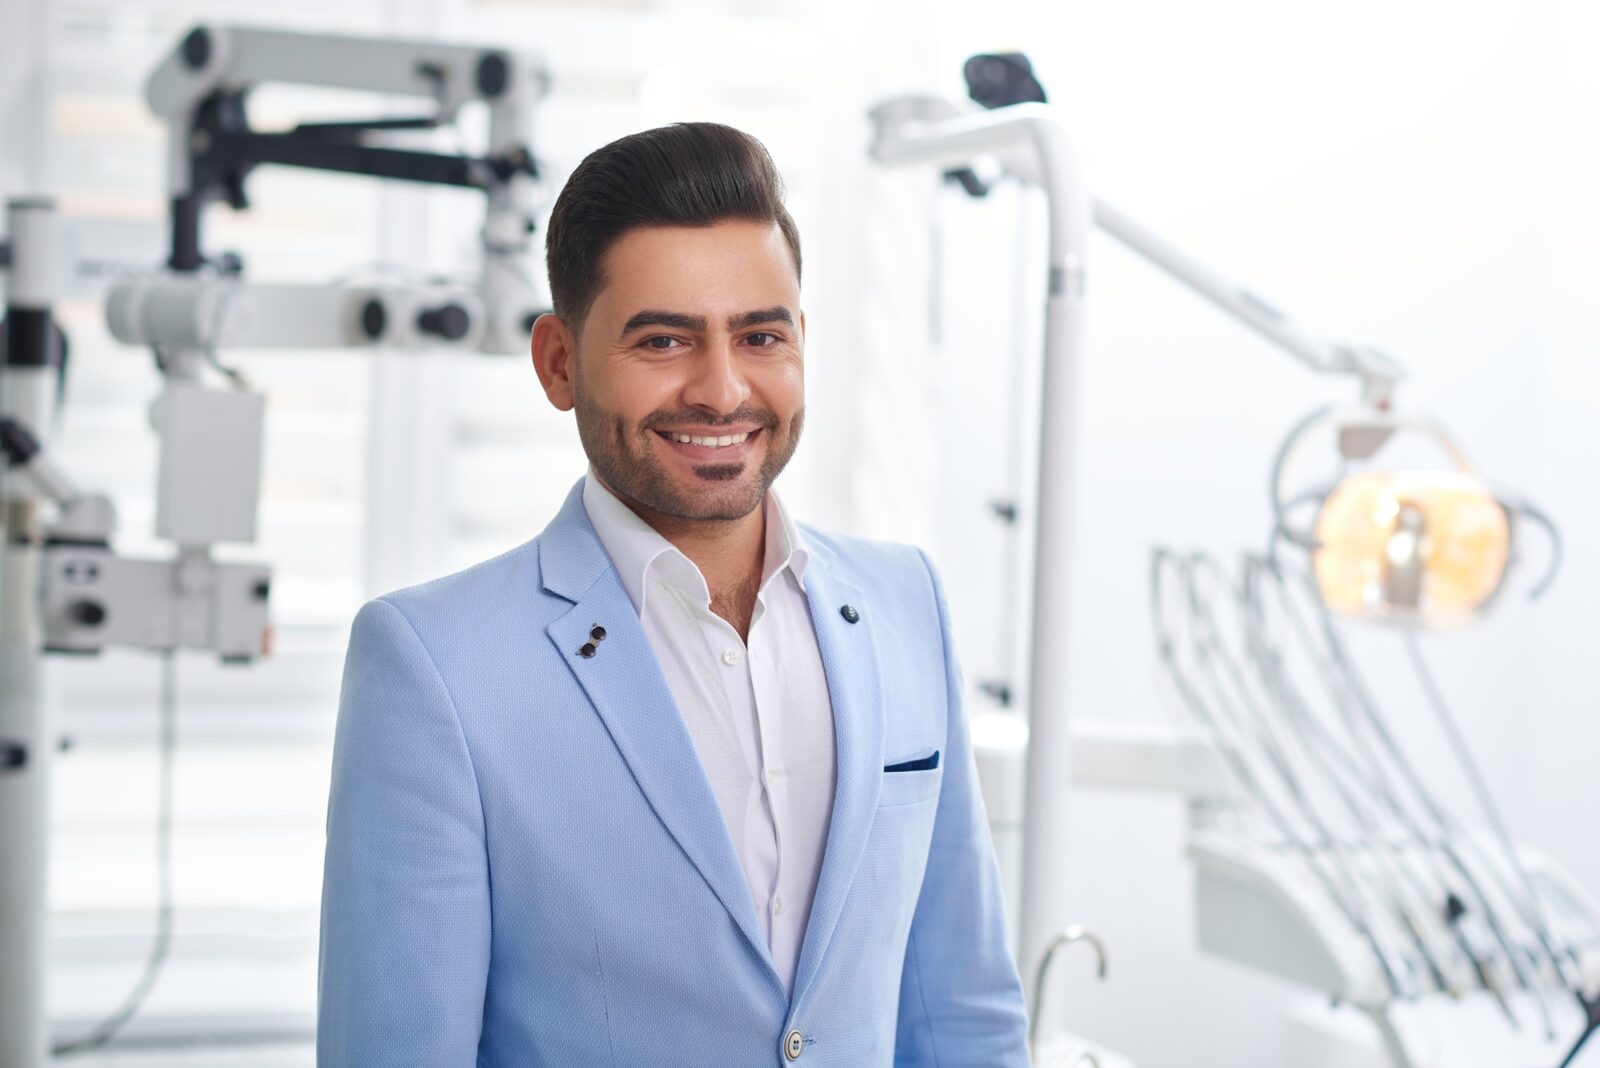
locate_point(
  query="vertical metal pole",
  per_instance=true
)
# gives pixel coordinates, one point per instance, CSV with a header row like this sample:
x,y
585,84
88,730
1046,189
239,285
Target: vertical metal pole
x,y
1045,857
1030,142
508,222
27,385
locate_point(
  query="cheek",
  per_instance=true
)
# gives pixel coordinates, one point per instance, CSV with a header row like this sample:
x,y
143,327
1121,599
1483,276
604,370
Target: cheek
x,y
629,396
781,385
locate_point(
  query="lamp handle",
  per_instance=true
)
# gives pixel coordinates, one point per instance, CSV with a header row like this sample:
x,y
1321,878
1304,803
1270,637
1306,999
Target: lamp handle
x,y
1362,432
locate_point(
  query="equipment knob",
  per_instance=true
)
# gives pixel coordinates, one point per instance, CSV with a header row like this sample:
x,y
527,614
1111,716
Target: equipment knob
x,y
374,320
449,321
87,613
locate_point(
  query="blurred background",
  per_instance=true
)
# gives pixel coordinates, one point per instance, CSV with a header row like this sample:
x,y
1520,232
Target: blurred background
x,y
1420,175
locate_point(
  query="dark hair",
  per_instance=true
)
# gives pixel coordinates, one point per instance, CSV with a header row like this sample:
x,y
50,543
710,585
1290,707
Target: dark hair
x,y
686,174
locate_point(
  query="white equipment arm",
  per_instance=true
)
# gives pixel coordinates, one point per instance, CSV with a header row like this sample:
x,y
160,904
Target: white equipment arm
x,y
1375,369
932,131
201,90
184,313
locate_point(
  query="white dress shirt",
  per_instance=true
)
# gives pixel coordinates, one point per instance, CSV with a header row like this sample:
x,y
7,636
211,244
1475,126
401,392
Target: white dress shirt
x,y
759,714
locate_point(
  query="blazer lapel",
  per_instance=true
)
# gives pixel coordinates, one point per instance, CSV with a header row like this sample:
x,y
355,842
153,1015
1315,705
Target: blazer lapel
x,y
850,661
624,682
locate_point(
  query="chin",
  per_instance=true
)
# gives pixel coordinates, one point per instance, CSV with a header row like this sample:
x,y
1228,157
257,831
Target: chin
x,y
723,473
722,499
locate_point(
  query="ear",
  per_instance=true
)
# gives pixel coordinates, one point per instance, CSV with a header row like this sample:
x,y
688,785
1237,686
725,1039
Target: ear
x,y
555,351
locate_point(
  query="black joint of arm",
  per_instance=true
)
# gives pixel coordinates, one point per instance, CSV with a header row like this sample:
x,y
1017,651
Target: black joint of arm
x,y
16,443
968,180
517,161
494,74
999,692
30,338
196,48
13,755
1001,79
448,321
374,320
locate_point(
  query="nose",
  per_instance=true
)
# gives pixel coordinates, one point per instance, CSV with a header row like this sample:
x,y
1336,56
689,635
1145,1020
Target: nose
x,y
716,380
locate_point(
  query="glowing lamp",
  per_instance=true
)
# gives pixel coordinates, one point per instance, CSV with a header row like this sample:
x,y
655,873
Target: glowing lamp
x,y
1426,548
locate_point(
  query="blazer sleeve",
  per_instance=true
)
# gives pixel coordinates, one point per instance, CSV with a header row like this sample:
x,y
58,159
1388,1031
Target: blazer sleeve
x,y
960,997
405,898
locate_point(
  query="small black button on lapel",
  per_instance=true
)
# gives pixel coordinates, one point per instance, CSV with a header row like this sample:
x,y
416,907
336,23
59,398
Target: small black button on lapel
x,y
597,634
850,614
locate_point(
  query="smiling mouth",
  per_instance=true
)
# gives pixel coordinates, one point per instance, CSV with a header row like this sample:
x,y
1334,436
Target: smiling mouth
x,y
709,441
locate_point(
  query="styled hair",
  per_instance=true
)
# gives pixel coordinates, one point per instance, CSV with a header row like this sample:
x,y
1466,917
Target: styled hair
x,y
686,174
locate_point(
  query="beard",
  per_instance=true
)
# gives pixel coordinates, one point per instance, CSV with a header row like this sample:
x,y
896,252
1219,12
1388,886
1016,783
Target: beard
x,y
624,457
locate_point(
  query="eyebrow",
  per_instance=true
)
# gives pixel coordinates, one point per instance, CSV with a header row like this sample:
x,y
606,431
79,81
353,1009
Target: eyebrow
x,y
679,321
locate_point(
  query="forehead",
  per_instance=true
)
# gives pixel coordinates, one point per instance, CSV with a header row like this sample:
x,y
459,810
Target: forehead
x,y
728,266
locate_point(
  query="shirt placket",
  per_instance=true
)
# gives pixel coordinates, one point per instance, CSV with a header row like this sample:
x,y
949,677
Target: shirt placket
x,y
771,776
734,670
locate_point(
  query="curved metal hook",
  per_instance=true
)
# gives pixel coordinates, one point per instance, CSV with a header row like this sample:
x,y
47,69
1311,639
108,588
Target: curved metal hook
x,y
1072,934
1521,507
1277,491
1280,463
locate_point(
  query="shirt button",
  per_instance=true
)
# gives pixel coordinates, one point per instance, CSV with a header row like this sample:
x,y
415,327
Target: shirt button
x,y
777,905
730,657
793,1045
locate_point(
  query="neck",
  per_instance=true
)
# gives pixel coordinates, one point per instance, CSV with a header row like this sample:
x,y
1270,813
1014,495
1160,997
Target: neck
x,y
730,554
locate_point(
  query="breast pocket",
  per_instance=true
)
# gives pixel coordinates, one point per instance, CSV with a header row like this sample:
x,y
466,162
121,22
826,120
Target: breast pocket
x,y
909,787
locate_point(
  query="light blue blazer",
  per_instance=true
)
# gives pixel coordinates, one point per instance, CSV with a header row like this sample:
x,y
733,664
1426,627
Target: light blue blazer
x,y
526,865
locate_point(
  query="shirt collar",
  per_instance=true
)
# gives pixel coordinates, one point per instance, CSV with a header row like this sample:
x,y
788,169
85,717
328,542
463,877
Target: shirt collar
x,y
638,550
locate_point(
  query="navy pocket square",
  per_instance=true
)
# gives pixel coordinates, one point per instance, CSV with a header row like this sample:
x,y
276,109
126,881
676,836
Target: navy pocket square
x,y
927,763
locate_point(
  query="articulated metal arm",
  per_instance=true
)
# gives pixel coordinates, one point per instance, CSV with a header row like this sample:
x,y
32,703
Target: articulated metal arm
x,y
932,130
202,88
1376,370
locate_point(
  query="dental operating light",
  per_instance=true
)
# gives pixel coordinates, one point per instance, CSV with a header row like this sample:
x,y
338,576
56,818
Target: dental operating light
x,y
1421,547
1424,546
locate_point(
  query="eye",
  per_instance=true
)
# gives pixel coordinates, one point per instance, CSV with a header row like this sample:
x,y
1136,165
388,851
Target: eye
x,y
656,343
764,339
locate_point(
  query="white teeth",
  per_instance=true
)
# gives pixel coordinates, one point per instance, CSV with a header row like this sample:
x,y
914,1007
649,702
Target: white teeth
x,y
710,442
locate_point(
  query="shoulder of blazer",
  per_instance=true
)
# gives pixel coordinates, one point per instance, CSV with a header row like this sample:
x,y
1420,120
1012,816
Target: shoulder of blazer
x,y
895,570
502,589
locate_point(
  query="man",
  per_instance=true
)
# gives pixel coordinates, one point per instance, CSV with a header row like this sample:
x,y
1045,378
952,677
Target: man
x,y
676,782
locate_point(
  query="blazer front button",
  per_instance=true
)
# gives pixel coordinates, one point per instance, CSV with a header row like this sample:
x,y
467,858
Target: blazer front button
x,y
793,1045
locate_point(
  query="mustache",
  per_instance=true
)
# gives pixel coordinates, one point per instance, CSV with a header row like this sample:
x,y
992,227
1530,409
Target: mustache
x,y
762,417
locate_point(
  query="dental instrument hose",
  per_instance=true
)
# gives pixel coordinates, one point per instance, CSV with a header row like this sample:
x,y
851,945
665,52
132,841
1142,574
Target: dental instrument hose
x,y
107,1029
1591,1008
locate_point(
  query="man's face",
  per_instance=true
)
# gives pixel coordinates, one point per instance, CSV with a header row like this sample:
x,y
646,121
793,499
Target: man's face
x,y
688,381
